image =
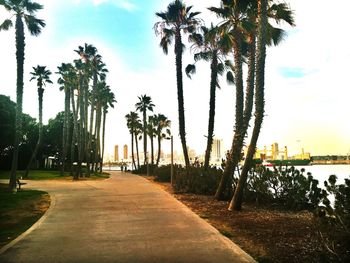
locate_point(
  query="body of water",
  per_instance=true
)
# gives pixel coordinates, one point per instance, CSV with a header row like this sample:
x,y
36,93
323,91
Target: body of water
x,y
322,172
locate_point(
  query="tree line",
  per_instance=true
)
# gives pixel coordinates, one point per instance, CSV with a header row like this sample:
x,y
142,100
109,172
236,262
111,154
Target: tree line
x,y
239,40
87,95
155,126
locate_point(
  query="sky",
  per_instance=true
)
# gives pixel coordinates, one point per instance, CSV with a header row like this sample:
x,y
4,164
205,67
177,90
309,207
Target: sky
x,y
307,93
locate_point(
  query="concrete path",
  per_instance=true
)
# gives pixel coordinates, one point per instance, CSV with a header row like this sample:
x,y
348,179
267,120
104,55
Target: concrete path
x,y
123,219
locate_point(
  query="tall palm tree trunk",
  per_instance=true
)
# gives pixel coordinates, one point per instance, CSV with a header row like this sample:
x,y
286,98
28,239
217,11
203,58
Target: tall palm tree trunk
x,y
103,138
180,95
249,97
86,130
159,149
145,161
65,130
75,129
98,138
37,146
237,143
80,140
90,164
213,81
132,150
137,151
236,202
19,98
152,150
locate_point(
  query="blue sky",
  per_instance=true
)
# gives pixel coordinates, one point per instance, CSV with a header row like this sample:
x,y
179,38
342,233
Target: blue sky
x,y
127,30
307,89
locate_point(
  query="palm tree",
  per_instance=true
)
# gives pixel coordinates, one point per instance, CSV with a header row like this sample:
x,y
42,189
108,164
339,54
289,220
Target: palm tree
x,y
235,24
138,129
42,76
132,119
151,132
266,34
145,104
66,71
212,45
236,202
82,77
162,123
246,25
22,10
176,19
93,60
108,101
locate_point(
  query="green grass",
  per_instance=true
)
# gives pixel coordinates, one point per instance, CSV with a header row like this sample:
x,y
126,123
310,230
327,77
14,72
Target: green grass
x,y
19,211
226,233
49,175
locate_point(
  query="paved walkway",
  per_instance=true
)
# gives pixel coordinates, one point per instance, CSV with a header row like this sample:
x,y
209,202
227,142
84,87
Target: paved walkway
x,y
123,219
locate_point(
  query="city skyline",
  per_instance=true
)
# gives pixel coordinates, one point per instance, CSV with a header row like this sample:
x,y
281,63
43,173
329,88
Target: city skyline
x,y
306,95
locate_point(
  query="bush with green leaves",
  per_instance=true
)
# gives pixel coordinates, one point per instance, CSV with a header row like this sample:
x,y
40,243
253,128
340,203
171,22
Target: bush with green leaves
x,y
197,181
285,186
163,173
143,169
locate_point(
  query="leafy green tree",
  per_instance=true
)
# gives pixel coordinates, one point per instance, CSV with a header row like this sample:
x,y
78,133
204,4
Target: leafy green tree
x,y
22,10
42,76
176,19
7,122
212,45
145,104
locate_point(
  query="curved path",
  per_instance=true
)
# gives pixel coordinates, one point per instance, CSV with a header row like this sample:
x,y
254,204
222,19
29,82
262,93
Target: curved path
x,y
123,219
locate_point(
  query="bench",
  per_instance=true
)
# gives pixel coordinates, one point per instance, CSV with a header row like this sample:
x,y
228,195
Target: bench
x,y
19,183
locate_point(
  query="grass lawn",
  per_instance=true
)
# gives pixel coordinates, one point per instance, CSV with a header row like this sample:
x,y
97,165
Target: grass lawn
x,y
49,175
20,211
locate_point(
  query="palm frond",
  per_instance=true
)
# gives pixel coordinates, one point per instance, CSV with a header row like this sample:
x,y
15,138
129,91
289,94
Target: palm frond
x,y
32,7
192,15
205,55
282,12
220,68
6,25
34,24
190,69
196,38
230,79
162,15
275,35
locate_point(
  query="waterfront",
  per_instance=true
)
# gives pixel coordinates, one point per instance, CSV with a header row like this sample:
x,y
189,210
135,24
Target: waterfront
x,y
322,172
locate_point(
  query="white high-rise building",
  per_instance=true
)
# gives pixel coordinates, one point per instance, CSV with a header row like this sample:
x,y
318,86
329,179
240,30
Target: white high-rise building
x,y
217,150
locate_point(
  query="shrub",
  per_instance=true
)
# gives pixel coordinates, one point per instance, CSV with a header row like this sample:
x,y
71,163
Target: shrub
x,y
163,173
143,169
197,181
285,186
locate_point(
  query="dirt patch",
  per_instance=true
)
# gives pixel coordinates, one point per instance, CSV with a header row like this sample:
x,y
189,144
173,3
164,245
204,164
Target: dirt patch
x,y
269,235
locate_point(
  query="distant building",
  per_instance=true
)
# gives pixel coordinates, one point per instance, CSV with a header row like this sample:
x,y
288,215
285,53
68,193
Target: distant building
x,y
217,150
125,151
116,153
